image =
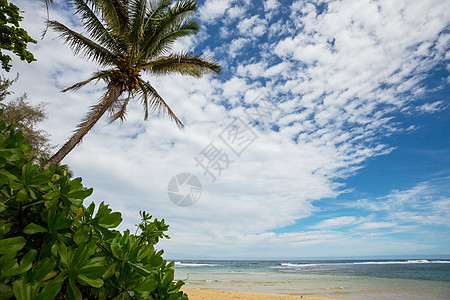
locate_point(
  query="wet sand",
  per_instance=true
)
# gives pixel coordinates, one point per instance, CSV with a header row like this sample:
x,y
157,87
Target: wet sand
x,y
204,294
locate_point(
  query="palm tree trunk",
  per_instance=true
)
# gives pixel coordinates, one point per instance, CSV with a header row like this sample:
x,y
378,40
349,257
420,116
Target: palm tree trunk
x,y
91,119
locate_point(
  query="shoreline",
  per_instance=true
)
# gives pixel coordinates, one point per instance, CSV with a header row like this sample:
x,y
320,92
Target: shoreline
x,y
206,294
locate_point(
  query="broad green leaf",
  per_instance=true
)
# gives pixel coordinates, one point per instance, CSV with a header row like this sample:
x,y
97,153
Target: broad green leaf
x,y
34,228
110,221
16,185
177,286
92,271
51,202
90,209
82,234
62,222
80,194
148,285
168,277
5,153
143,252
42,178
51,195
6,291
4,228
122,296
3,179
155,260
175,297
80,256
12,244
73,293
31,193
111,269
28,171
140,268
75,202
97,262
62,251
25,149
25,264
51,288
3,162
23,290
5,173
84,280
8,261
50,275
42,269
75,184
116,250
105,218
20,289
21,195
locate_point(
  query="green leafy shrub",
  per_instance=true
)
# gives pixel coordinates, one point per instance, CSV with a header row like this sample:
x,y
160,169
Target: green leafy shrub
x,y
52,247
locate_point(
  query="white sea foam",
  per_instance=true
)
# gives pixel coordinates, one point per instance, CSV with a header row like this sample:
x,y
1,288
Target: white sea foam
x,y
289,265
412,261
194,265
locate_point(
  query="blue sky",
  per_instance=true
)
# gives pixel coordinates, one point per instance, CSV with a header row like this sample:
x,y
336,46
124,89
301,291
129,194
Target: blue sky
x,y
354,161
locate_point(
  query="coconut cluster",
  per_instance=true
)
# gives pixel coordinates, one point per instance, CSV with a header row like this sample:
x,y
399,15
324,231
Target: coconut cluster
x,y
127,77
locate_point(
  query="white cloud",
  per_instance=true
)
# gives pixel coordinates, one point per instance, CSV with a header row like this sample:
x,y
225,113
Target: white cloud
x,y
236,12
425,203
253,26
211,10
336,222
375,225
236,45
431,107
271,4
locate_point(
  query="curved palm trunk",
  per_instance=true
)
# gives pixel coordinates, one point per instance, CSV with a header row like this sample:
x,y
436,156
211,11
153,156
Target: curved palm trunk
x,y
97,112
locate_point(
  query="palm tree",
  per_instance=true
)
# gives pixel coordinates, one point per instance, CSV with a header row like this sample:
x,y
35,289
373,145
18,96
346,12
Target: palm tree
x,y
127,37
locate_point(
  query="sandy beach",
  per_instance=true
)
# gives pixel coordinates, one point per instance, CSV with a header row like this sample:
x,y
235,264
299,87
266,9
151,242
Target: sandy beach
x,y
203,294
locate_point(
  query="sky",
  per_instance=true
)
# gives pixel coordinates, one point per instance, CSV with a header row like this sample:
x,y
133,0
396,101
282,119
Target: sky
x,y
327,133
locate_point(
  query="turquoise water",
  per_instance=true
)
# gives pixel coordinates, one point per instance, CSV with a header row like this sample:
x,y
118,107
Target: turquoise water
x,y
341,279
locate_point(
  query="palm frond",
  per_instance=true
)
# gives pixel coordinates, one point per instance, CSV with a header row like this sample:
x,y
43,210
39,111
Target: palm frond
x,y
184,64
151,100
82,45
157,29
138,11
96,75
157,8
93,25
118,109
163,45
115,13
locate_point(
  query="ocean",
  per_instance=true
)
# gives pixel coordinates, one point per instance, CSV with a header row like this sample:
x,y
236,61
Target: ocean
x,y
339,279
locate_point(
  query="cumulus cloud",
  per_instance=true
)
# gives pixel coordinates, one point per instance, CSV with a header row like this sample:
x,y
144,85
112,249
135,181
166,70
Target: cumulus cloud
x,y
236,12
253,26
236,45
211,10
271,4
